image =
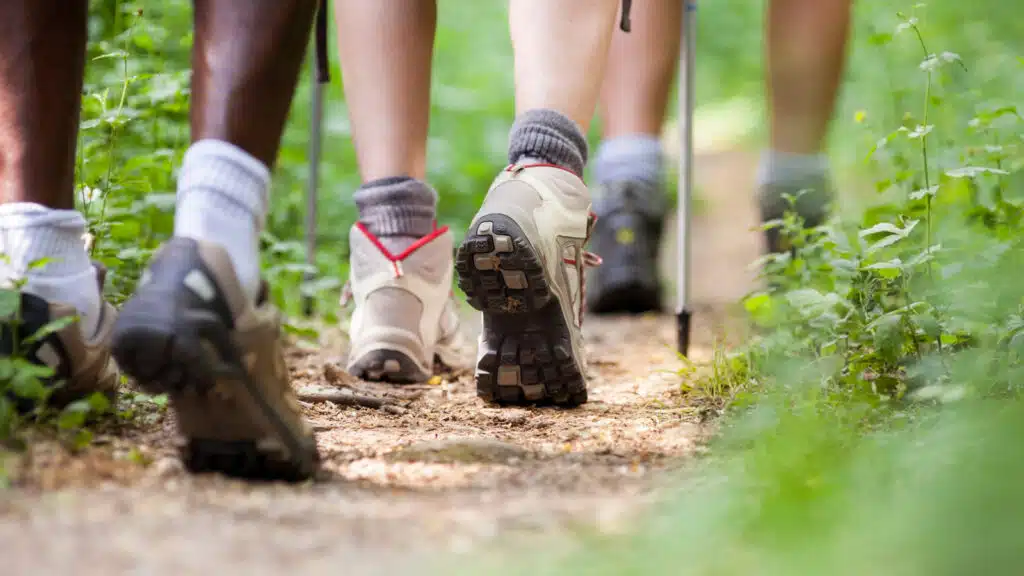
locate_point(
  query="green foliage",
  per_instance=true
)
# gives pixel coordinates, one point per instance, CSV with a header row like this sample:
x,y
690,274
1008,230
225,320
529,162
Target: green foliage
x,y
26,387
883,303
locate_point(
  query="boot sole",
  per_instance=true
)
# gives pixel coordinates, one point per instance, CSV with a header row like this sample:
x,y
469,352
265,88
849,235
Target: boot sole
x,y
193,360
389,366
528,356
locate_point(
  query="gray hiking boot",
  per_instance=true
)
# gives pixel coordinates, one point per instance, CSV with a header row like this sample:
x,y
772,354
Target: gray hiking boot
x,y
191,332
81,365
627,235
813,197
404,317
522,264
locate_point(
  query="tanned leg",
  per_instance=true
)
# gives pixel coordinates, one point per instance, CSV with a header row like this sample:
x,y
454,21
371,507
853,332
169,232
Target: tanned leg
x,y
641,67
386,48
245,64
42,58
806,52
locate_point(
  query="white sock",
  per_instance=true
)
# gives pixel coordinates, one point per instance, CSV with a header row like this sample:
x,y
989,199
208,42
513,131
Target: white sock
x,y
223,193
31,232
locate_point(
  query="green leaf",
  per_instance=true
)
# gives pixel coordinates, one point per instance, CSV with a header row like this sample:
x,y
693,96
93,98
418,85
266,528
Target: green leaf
x,y
889,270
880,39
300,331
27,386
757,302
919,194
935,61
928,324
920,132
98,403
10,303
74,415
314,287
51,327
888,335
972,171
81,439
39,264
895,234
1016,344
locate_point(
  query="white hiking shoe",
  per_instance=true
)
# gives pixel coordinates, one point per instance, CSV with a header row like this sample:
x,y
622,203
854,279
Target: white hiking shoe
x,y
521,264
404,315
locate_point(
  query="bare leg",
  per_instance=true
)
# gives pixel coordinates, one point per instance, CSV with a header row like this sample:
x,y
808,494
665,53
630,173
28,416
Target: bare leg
x,y
561,51
42,58
806,49
385,49
806,44
641,67
245,66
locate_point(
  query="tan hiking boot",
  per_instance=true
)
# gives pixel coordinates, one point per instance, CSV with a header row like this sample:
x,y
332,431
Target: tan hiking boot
x,y
522,264
404,317
192,333
81,365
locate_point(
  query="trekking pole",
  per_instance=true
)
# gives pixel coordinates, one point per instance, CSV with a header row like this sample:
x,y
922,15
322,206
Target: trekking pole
x,y
318,75
685,191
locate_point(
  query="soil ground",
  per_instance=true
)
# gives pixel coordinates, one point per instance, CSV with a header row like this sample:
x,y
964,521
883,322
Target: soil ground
x,y
447,474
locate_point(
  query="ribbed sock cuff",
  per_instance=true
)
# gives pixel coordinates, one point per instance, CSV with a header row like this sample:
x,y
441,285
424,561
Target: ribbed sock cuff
x,y
632,158
31,232
550,136
785,168
781,173
398,206
221,168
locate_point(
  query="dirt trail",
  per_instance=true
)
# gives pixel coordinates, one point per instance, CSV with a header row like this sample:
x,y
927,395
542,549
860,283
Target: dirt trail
x,y
448,474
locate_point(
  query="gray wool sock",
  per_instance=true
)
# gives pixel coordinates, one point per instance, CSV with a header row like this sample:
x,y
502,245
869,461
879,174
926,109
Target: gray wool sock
x,y
397,210
637,157
629,171
781,168
787,173
547,136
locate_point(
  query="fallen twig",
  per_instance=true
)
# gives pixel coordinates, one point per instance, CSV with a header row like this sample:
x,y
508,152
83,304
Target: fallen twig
x,y
345,397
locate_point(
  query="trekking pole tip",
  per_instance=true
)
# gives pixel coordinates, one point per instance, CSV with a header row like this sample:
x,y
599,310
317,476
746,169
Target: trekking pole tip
x,y
683,331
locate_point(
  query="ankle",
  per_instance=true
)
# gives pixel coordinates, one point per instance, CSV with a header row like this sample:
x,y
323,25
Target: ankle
x,y
788,170
630,158
31,233
397,211
548,136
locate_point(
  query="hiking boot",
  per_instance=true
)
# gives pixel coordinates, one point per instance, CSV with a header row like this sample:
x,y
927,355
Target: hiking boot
x,y
81,365
521,264
627,235
192,333
813,197
404,316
